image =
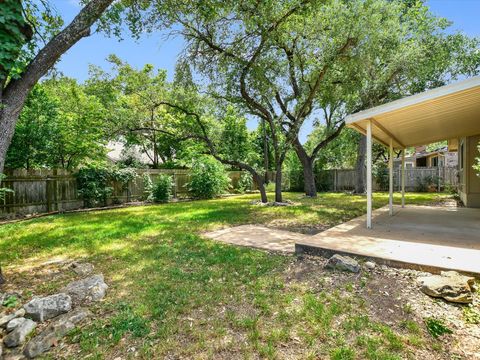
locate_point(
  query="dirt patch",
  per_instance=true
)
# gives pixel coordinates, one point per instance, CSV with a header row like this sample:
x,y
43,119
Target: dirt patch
x,y
294,226
392,296
225,330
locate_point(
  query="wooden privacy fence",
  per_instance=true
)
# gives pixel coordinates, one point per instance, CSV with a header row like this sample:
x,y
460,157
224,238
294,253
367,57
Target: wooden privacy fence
x,y
41,191
341,180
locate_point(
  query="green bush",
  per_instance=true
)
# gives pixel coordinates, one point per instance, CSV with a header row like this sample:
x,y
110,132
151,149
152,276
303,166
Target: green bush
x,y
245,182
380,174
4,191
147,187
162,190
124,176
208,179
423,184
94,185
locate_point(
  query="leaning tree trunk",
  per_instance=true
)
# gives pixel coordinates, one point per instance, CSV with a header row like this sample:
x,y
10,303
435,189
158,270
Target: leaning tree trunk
x,y
260,180
360,165
307,162
309,184
8,119
13,96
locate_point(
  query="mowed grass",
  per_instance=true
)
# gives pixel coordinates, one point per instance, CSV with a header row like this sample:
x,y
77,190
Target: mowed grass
x,y
174,293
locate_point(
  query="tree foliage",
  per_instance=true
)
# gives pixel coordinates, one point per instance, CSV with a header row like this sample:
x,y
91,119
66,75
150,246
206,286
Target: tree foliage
x,y
286,61
208,178
60,126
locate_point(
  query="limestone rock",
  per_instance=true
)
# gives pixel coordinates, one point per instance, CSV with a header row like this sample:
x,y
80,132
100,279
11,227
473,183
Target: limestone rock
x,y
14,323
4,320
40,309
344,263
82,269
54,332
19,335
87,290
449,285
370,265
14,355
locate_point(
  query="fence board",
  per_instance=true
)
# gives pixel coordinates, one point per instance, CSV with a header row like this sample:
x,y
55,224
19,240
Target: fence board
x,y
39,191
344,180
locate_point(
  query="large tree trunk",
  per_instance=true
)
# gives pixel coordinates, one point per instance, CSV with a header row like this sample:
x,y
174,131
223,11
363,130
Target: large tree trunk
x,y
13,96
2,279
278,183
309,178
261,186
307,162
360,165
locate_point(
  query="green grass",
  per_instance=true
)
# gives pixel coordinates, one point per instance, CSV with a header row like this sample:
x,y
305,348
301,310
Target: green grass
x,y
173,292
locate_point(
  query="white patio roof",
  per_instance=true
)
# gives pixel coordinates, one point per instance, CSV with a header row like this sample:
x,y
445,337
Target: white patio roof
x,y
443,113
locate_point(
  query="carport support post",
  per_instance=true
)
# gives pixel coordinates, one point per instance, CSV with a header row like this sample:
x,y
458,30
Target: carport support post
x,y
390,178
403,178
369,174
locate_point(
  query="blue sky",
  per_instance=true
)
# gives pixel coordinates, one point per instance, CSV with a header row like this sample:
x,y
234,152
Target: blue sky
x,y
156,49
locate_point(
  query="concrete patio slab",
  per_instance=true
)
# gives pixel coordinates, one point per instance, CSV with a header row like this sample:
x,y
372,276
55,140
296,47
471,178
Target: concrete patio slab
x,y
259,237
421,237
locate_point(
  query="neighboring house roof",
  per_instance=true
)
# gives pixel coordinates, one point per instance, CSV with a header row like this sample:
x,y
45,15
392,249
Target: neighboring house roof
x,y
117,150
443,113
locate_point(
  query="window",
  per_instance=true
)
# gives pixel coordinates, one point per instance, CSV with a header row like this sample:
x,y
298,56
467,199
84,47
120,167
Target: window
x,y
434,161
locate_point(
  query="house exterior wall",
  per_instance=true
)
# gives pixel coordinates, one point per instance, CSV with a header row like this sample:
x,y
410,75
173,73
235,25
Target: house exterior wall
x,y
469,182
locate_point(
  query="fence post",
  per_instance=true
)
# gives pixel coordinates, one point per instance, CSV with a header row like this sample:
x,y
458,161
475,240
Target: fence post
x,y
175,184
439,180
48,194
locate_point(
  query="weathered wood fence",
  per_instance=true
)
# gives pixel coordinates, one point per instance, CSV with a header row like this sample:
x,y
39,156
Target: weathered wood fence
x,y
342,180
40,191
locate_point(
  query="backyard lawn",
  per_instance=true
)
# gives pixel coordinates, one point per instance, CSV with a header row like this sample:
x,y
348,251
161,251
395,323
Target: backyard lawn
x,y
176,295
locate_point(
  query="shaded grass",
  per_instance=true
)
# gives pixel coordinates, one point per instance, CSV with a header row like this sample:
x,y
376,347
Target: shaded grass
x,y
172,292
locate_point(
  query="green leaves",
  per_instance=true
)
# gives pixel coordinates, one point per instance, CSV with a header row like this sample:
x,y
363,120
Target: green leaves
x,y
24,27
208,179
61,126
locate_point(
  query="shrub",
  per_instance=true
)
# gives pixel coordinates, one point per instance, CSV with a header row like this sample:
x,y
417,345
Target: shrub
x,y
4,191
147,187
162,190
94,185
208,179
424,184
381,177
245,182
124,176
